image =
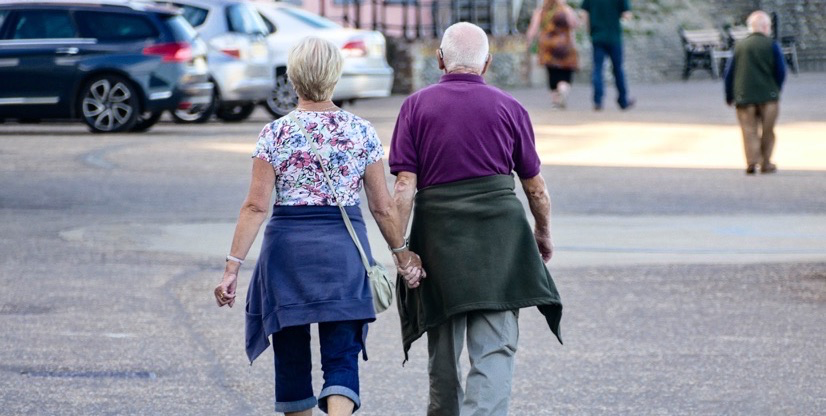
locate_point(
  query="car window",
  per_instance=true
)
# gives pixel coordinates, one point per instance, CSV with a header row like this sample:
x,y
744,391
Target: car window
x,y
310,19
196,16
182,31
3,14
270,25
43,24
243,19
112,26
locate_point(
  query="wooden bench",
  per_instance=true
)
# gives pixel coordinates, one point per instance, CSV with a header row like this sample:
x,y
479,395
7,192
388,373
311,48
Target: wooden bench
x,y
737,33
788,45
701,47
720,57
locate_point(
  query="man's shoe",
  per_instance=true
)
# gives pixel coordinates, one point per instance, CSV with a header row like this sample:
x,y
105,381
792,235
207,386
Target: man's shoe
x,y
768,168
628,104
597,107
751,169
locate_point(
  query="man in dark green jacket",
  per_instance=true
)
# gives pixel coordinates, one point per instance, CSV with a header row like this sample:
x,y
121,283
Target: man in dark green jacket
x,y
754,78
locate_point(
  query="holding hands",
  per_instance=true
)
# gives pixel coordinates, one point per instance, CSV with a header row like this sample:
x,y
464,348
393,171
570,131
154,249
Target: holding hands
x,y
225,291
409,265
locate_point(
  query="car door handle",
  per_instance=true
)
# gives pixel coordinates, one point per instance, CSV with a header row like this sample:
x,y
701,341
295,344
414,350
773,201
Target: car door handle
x,y
68,51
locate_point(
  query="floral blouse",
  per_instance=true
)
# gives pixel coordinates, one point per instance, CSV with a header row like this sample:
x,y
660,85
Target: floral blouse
x,y
347,144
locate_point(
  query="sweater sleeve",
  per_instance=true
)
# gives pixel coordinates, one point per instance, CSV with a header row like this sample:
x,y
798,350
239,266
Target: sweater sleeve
x,y
730,81
779,65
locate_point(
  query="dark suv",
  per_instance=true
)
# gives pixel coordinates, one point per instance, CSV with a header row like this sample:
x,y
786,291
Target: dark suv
x,y
115,65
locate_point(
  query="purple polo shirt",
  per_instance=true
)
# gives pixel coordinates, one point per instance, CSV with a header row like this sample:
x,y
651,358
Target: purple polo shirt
x,y
462,128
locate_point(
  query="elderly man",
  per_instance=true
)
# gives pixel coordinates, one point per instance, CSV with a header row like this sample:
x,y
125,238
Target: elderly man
x,y
458,142
754,78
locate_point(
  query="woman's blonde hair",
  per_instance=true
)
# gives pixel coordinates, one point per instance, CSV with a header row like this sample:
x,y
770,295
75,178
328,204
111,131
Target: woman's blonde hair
x,y
314,67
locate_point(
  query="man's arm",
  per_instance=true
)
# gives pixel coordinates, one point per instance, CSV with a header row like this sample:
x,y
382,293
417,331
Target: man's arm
x,y
404,192
779,65
729,81
625,7
539,202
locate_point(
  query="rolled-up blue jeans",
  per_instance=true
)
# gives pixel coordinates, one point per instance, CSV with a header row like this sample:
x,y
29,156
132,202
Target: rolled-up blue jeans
x,y
614,52
341,342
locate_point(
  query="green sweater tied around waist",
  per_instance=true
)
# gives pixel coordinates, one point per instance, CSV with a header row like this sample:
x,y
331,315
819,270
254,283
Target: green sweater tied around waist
x,y
479,253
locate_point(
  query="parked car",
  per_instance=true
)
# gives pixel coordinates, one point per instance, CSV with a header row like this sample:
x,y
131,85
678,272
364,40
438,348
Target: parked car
x,y
115,65
238,57
365,74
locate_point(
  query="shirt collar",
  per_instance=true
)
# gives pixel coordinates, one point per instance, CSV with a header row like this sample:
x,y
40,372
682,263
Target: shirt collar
x,y
478,79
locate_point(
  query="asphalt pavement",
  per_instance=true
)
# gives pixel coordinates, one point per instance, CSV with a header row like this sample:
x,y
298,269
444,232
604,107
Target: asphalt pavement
x,y
689,287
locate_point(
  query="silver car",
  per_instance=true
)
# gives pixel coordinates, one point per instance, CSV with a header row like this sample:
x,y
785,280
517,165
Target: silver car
x,y
238,57
366,73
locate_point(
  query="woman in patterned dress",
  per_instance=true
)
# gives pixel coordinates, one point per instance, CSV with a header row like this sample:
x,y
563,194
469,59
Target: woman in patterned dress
x,y
554,23
309,270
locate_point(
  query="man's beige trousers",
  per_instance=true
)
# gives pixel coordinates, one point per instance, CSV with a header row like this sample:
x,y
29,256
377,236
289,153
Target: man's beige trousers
x,y
757,122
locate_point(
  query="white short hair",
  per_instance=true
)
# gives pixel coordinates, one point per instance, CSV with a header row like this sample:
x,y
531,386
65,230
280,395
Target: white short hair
x,y
464,45
759,22
314,67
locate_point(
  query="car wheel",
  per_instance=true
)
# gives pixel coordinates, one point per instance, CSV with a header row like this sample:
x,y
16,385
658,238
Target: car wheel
x,y
146,120
200,113
109,104
235,113
283,98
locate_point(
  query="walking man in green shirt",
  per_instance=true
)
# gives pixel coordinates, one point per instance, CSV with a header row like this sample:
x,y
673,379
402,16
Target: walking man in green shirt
x,y
603,18
754,78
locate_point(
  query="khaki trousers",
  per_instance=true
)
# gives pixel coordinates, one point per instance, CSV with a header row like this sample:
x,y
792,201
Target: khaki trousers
x,y
757,122
492,337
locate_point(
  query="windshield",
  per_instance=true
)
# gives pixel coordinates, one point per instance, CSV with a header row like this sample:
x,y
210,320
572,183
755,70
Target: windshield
x,y
181,30
310,19
194,15
243,19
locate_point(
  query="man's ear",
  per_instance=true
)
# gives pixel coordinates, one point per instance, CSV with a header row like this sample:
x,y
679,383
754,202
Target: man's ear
x,y
487,64
441,58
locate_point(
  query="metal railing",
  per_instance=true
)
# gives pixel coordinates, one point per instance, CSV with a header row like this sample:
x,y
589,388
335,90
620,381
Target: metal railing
x,y
415,19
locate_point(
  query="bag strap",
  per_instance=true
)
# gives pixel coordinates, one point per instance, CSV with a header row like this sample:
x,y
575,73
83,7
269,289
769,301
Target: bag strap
x,y
344,215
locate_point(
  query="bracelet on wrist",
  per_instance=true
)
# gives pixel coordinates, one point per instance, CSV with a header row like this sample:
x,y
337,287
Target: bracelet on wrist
x,y
235,259
401,249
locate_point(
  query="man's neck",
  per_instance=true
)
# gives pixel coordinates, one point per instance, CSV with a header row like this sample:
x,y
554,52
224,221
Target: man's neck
x,y
463,70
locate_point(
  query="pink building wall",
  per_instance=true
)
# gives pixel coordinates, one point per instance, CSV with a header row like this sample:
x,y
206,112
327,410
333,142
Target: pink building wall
x,y
389,18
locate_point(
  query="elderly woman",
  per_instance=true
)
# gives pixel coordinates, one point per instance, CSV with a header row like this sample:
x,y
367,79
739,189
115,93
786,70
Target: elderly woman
x,y
309,269
554,23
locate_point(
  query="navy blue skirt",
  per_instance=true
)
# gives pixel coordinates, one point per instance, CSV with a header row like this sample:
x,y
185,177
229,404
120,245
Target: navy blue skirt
x,y
309,271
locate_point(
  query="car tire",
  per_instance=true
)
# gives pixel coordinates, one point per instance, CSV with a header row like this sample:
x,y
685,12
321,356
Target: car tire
x,y
196,114
235,113
283,98
109,104
146,120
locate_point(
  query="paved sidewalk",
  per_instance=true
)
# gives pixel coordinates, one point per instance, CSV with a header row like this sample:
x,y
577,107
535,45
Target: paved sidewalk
x,y
689,288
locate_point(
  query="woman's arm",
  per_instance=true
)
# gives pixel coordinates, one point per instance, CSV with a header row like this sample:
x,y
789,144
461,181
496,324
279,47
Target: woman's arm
x,y
253,214
573,19
387,217
533,27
